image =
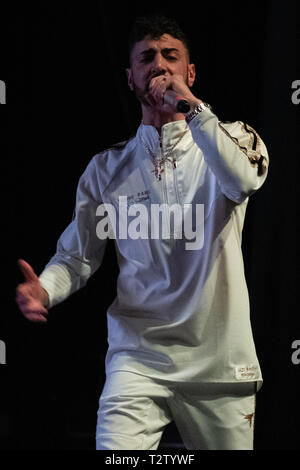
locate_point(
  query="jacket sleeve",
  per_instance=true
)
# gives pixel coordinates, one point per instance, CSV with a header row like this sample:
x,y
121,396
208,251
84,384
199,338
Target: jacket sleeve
x,y
79,251
234,152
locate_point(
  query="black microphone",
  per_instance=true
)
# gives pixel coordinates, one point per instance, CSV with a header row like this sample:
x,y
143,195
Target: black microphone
x,y
177,102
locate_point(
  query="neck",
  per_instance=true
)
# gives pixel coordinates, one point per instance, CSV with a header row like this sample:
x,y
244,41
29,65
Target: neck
x,y
155,118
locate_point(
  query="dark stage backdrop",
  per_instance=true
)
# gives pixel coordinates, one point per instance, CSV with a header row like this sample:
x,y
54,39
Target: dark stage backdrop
x,y
67,99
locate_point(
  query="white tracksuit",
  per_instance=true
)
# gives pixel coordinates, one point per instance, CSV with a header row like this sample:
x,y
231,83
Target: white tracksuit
x,y
181,315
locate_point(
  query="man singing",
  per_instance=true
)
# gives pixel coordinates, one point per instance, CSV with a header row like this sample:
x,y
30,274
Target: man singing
x,y
180,340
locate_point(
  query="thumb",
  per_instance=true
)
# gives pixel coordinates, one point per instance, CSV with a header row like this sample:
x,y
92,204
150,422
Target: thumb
x,y
27,270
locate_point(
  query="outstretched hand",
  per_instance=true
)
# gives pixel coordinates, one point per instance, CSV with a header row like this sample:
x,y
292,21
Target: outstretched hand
x,y
30,295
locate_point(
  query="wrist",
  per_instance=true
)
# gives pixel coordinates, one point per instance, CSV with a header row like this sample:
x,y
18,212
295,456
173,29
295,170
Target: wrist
x,y
45,298
197,110
195,103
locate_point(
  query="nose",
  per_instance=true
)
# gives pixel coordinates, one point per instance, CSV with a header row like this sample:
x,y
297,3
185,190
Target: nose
x,y
159,65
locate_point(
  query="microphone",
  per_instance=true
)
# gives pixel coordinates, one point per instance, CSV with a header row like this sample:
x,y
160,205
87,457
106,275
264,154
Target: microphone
x,y
177,102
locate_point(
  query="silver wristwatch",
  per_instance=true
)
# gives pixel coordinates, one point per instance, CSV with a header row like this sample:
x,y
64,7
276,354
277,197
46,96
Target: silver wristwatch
x,y
191,114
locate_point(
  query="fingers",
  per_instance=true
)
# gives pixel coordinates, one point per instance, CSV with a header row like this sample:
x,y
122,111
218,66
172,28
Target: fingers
x,y
27,270
35,317
30,307
158,87
32,311
28,295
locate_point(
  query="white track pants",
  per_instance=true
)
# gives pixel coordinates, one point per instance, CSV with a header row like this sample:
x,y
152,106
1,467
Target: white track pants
x,y
134,410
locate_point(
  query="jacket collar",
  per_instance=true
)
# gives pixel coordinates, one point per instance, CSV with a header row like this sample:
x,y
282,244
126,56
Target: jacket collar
x,y
170,134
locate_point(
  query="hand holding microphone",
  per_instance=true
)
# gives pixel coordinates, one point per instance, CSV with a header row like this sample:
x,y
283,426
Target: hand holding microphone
x,y
171,93
176,102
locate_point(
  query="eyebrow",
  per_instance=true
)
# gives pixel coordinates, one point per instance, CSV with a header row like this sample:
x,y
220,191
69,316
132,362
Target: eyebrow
x,y
165,49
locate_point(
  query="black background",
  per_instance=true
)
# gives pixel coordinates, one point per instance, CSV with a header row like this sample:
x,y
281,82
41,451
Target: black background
x,y
67,99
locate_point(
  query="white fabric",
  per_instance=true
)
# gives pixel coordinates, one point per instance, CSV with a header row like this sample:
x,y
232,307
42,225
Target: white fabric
x,y
134,411
179,314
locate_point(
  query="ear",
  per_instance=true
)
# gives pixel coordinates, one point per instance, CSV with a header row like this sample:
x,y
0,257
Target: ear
x,y
129,79
191,74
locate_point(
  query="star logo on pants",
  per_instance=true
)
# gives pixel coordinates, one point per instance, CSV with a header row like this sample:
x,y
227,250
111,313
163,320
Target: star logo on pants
x,y
249,418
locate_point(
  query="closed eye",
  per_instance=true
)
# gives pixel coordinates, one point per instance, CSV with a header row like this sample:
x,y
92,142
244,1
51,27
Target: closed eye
x,y
148,55
146,59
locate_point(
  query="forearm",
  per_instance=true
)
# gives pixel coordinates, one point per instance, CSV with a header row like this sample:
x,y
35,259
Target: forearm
x,y
68,272
57,284
235,154
79,251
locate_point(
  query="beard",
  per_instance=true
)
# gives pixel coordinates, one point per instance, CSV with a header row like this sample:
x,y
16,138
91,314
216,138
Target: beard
x,y
141,93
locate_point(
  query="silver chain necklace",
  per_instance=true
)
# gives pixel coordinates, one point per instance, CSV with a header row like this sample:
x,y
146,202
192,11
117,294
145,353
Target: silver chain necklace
x,y
158,162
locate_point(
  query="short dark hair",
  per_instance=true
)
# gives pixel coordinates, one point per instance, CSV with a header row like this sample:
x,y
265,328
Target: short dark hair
x,y
155,26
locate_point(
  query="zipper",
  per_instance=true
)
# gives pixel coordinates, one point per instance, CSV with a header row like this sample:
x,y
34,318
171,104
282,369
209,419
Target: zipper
x,y
165,195
163,179
168,212
173,165
175,181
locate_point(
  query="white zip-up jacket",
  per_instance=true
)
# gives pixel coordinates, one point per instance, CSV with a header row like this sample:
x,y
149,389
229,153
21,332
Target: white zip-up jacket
x,y
180,314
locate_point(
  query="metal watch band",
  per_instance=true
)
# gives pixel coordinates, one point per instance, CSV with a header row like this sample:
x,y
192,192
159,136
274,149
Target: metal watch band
x,y
202,106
